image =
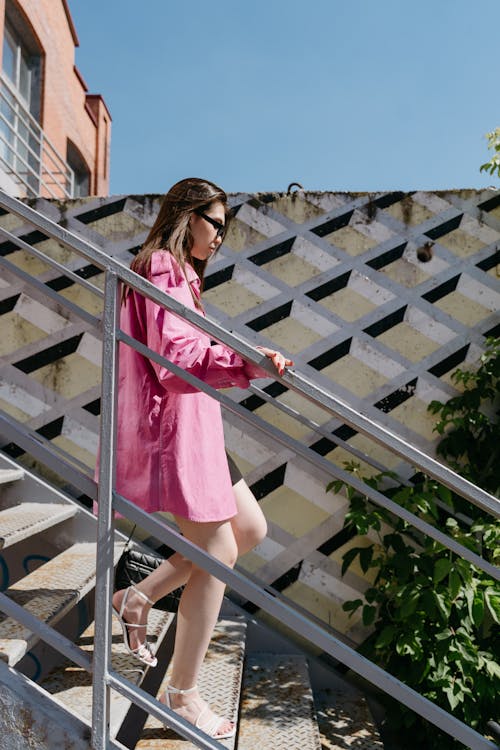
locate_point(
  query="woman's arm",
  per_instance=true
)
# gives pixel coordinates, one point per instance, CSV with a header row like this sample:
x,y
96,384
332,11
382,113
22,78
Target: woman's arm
x,y
184,345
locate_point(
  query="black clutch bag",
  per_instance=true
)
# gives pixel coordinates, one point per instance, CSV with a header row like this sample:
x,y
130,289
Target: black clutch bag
x,y
135,565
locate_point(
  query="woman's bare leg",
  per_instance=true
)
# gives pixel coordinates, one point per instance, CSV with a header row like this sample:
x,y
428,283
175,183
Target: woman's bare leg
x,y
249,528
198,611
249,524
168,576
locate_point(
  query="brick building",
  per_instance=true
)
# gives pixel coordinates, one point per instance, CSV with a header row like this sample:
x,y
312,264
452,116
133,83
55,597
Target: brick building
x,y
54,135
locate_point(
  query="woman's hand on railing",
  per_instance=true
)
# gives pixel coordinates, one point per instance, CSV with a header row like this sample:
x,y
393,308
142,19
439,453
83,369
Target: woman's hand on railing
x,y
277,358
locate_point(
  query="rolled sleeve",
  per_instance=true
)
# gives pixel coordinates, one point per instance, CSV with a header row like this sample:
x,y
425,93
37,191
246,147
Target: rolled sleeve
x,y
190,349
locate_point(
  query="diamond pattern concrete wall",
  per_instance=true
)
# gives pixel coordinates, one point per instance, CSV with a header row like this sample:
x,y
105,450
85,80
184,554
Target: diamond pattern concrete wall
x,y
379,297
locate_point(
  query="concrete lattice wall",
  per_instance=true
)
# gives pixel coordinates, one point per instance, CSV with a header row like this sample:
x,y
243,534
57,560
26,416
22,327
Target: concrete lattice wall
x,y
378,297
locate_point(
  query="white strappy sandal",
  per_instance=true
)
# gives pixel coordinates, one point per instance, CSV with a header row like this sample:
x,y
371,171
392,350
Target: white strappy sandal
x,y
213,723
143,653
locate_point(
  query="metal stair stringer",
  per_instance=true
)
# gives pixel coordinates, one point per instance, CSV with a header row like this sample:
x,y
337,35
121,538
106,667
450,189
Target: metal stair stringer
x,y
30,718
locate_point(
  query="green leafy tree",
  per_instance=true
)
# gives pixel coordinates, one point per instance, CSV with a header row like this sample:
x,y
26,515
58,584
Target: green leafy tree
x,y
469,423
435,618
493,165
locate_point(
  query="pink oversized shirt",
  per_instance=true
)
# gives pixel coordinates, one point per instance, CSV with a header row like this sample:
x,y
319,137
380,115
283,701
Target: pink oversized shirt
x,y
170,441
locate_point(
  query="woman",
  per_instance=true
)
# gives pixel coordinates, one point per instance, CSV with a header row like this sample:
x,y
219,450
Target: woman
x,y
170,443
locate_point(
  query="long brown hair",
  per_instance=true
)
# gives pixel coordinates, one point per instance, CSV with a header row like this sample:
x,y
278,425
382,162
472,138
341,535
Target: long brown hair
x,y
171,231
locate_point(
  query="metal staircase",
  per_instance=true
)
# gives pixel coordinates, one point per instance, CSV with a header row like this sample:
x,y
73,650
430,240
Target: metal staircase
x,y
65,680
49,568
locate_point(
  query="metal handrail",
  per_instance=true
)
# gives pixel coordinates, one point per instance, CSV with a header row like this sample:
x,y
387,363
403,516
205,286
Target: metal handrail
x,y
319,461
303,625
62,269
291,379
104,677
315,427
46,452
49,292
288,410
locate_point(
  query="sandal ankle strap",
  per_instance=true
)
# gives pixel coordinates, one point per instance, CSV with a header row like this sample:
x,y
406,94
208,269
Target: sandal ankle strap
x,y
178,691
141,594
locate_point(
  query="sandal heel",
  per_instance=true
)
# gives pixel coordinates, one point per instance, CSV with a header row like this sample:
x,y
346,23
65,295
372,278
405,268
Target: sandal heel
x,y
143,653
210,727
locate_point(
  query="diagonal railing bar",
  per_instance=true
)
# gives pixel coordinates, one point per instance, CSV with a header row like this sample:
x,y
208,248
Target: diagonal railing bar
x,y
76,655
48,453
58,641
293,380
313,457
309,629
109,499
62,269
321,430
271,604
157,709
315,427
49,292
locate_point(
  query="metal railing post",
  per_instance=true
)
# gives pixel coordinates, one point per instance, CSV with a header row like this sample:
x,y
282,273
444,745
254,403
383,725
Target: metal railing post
x,y
105,535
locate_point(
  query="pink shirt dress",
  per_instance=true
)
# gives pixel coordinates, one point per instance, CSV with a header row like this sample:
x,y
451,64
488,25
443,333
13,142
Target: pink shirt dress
x,y
170,440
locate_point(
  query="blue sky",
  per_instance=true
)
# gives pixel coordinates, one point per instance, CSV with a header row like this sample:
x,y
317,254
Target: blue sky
x,y
334,94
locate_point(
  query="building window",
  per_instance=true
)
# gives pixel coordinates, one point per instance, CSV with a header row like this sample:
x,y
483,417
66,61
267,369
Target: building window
x,y
20,67
79,180
20,141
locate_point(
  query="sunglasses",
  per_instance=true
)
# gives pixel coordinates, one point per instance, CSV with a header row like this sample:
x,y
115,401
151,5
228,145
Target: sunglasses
x,y
221,229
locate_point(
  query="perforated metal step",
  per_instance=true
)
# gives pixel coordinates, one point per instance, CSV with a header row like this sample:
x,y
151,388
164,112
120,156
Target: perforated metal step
x,y
26,519
72,685
344,720
48,593
277,709
219,683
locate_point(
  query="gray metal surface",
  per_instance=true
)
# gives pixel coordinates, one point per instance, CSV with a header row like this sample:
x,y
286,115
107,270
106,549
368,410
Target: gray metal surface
x,y
30,719
48,593
72,685
301,450
344,721
304,626
26,519
45,451
277,709
105,536
301,385
293,380
219,683
63,269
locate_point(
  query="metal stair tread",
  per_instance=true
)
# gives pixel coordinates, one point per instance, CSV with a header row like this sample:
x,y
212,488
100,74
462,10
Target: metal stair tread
x,y
10,475
344,720
71,685
219,683
277,708
21,521
48,593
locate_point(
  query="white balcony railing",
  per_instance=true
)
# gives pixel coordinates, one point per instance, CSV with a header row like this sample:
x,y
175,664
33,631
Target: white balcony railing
x,y
26,154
